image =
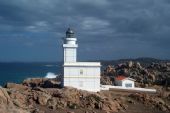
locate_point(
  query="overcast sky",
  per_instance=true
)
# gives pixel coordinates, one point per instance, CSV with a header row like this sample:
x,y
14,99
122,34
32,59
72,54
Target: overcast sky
x,y
32,30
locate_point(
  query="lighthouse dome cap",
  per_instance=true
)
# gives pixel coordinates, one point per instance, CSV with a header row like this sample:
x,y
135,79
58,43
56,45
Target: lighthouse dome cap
x,y
69,31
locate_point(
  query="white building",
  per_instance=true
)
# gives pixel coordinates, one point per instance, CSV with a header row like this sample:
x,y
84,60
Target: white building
x,y
125,82
80,75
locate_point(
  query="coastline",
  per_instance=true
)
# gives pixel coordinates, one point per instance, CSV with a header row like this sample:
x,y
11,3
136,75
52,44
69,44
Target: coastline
x,y
46,96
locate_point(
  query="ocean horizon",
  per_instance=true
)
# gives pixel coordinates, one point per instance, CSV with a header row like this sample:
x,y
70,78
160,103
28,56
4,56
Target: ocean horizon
x,y
17,72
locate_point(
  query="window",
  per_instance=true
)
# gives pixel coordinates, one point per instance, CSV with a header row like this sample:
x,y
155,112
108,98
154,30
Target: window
x,y
81,71
128,85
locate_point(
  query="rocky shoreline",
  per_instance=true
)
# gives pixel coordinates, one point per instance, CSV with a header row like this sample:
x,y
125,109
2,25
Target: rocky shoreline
x,y
22,98
42,95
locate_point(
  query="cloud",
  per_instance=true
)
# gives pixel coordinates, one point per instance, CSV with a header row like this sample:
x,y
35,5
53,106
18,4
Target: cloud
x,y
91,23
125,26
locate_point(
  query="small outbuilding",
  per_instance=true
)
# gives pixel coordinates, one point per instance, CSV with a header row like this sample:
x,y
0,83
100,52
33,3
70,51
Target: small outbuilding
x,y
124,82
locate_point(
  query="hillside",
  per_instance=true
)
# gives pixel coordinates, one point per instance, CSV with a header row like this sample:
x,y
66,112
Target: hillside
x,y
143,61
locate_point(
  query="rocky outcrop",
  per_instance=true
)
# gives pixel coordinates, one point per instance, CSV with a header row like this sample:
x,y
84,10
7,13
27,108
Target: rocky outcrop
x,y
6,104
41,82
106,80
16,86
155,73
4,97
27,96
33,82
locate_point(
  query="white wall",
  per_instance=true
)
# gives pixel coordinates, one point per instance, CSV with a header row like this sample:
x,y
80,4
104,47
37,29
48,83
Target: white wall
x,y
126,81
85,78
70,54
110,87
87,71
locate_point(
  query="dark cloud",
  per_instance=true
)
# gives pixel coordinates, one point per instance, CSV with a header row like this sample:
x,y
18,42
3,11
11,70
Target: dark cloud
x,y
106,29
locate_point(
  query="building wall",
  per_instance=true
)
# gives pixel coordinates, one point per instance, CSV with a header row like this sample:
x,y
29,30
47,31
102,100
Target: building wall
x,y
70,54
118,82
85,78
124,82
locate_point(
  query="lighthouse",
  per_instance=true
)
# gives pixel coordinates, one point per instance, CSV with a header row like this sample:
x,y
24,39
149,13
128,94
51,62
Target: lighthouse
x,y
80,75
70,47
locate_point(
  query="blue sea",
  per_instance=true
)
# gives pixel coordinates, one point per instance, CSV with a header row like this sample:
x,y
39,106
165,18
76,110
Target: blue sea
x,y
17,72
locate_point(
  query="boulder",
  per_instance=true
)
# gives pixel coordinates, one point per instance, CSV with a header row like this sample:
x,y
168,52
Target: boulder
x,y
130,64
19,99
138,65
41,82
106,80
43,98
34,82
38,111
50,83
6,104
16,86
4,97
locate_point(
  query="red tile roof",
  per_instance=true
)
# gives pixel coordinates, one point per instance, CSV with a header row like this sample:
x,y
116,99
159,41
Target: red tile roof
x,y
120,77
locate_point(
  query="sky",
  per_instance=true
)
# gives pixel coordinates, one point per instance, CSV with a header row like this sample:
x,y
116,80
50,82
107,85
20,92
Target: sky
x,y
32,30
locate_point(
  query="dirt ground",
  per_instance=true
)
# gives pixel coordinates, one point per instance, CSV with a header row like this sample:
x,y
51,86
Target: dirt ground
x,y
135,107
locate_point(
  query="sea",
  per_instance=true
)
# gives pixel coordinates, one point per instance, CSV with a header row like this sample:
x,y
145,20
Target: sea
x,y
17,72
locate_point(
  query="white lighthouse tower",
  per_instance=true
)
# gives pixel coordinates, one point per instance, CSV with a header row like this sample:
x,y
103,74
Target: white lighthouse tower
x,y
70,47
80,75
